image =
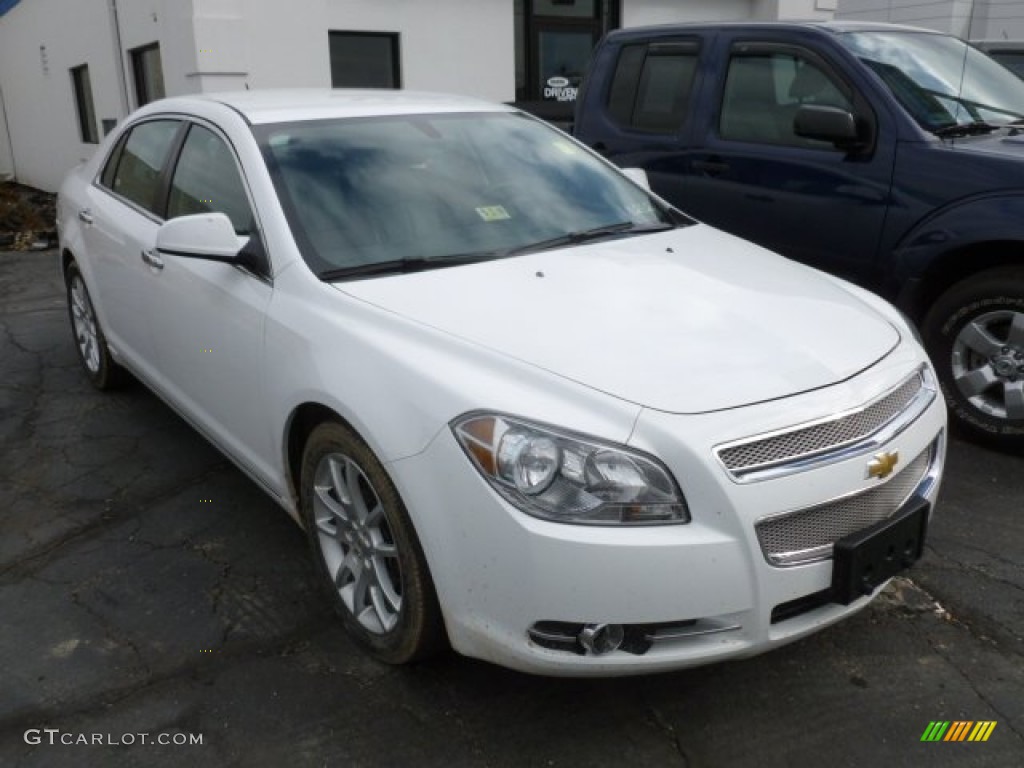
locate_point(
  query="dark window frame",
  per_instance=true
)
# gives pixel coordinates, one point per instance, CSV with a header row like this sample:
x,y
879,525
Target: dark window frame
x,y
143,87
85,106
395,40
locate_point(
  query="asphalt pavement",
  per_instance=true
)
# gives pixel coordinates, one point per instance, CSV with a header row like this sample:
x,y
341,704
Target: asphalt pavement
x,y
150,592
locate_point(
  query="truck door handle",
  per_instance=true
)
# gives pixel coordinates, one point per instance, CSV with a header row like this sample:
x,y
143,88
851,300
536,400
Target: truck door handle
x,y
153,259
710,167
85,215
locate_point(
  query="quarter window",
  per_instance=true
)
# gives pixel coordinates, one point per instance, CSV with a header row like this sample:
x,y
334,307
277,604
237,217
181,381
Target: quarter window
x,y
365,60
763,92
207,179
84,105
139,165
651,86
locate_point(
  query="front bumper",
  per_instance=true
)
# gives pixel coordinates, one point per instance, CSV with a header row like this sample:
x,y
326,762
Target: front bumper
x,y
499,572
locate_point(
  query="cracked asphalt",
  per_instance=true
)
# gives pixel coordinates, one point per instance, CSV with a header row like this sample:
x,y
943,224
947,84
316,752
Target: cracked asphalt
x,y
146,586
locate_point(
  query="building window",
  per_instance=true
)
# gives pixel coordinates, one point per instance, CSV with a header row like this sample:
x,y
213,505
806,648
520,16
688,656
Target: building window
x,y
149,74
365,60
83,103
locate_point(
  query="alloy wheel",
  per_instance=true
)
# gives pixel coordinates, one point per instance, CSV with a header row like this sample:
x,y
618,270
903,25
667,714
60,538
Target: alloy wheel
x,y
988,363
83,318
357,544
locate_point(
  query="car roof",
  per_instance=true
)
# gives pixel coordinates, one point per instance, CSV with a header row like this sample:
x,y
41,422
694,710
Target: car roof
x,y
296,104
835,27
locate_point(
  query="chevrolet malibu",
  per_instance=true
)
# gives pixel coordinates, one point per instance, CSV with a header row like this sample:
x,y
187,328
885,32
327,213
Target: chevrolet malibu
x,y
520,405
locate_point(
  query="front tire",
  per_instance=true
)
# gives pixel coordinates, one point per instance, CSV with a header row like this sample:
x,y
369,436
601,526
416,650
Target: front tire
x,y
90,343
365,549
975,336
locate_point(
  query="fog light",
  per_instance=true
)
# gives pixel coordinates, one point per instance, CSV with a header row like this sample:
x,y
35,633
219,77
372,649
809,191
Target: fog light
x,y
599,639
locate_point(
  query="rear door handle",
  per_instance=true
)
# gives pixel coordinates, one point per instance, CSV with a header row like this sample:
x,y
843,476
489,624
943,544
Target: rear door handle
x,y
153,259
85,215
710,167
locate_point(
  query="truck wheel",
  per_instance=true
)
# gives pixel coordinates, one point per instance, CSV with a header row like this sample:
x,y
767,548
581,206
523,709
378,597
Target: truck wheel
x,y
975,336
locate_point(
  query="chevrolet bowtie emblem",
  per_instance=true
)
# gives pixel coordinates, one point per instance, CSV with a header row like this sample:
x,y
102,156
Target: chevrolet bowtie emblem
x,y
882,464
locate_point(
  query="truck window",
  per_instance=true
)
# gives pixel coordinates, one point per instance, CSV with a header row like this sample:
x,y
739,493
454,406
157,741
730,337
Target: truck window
x,y
651,86
763,92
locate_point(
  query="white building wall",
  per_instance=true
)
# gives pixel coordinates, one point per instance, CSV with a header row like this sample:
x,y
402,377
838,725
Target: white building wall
x,y
640,12
6,157
36,56
969,19
445,45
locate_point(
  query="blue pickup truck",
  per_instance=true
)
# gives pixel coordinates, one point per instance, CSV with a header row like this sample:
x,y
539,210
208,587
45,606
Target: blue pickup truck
x,y
890,156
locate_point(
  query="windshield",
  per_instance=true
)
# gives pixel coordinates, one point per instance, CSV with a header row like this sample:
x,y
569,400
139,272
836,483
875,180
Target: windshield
x,y
361,192
940,80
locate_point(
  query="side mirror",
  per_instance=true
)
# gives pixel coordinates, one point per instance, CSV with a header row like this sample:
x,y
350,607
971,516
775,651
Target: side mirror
x,y
638,176
831,124
207,236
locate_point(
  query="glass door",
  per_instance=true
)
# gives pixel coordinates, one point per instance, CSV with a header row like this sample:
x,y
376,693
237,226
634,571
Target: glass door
x,y
554,43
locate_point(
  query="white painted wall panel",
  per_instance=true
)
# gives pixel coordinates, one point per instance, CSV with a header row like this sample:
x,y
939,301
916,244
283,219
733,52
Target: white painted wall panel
x,y
36,55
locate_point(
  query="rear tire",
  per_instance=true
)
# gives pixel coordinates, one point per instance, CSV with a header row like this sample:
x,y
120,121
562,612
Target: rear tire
x,y
975,336
90,343
365,548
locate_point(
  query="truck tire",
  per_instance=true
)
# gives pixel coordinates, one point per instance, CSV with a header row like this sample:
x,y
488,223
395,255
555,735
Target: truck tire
x,y
975,336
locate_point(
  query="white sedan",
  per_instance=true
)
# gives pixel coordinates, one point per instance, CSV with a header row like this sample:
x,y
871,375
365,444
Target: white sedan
x,y
521,406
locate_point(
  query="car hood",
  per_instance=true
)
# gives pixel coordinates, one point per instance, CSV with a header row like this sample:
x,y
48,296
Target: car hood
x,y
1005,143
687,321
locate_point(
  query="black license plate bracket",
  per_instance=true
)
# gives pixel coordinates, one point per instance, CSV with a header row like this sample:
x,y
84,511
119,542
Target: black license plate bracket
x,y
866,559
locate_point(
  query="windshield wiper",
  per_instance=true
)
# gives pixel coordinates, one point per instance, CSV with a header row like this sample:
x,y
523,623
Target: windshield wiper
x,y
973,128
587,235
404,266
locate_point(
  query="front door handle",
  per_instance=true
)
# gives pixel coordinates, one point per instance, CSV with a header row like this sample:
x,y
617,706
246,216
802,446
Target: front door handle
x,y
710,167
153,259
85,215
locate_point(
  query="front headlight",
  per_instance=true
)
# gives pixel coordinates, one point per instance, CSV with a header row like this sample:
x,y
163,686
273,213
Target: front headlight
x,y
568,478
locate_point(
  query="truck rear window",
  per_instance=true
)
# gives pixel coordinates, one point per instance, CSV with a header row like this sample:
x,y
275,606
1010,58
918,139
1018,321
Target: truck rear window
x,y
651,86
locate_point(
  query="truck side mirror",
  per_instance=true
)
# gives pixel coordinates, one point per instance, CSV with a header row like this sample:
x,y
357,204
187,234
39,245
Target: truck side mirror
x,y
831,124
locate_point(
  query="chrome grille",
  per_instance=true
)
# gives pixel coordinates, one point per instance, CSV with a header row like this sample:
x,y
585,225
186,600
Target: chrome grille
x,y
824,436
809,534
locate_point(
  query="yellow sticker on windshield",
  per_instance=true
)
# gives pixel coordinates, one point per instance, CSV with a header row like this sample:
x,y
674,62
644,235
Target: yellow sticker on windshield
x,y
493,213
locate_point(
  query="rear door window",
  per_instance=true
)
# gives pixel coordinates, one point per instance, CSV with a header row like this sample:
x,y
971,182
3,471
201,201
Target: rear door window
x,y
140,163
652,84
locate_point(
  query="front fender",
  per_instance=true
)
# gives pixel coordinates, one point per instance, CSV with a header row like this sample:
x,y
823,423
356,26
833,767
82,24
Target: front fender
x,y
954,228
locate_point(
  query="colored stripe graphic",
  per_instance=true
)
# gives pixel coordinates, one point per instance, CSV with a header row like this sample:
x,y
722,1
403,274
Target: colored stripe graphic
x,y
958,730
982,731
935,730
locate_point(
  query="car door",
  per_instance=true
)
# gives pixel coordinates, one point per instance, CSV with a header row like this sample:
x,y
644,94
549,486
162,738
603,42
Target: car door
x,y
209,316
119,224
751,175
